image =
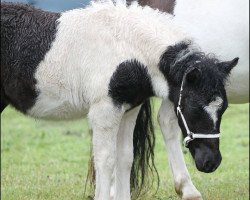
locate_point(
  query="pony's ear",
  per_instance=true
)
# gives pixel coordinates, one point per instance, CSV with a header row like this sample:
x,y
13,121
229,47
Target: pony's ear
x,y
193,75
228,66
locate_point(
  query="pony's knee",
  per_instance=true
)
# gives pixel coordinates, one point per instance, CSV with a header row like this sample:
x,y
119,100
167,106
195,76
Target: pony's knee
x,y
161,118
105,160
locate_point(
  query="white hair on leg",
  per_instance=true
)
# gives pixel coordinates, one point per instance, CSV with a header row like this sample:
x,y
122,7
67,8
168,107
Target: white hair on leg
x,y
125,155
171,133
105,120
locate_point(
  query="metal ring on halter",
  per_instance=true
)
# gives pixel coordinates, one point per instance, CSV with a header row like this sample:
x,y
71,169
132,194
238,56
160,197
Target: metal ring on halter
x,y
188,139
190,135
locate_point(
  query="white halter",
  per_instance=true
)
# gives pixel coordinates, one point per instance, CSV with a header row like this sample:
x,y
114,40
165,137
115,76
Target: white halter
x,y
190,135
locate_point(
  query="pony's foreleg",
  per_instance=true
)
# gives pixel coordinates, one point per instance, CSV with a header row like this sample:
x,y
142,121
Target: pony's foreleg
x,y
171,133
124,156
105,120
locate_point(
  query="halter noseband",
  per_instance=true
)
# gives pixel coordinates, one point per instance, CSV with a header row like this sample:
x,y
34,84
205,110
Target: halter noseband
x,y
190,135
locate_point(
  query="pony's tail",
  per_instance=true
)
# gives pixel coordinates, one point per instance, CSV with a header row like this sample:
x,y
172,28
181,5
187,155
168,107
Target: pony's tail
x,y
143,168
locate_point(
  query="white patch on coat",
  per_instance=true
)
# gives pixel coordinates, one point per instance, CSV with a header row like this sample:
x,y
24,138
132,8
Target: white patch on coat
x,y
124,153
90,43
212,109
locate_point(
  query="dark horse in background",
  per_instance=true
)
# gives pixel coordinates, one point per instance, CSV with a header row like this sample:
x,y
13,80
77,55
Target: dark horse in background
x,y
163,5
105,62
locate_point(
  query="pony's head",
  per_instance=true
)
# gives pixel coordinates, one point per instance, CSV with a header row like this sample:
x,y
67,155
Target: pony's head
x,y
197,88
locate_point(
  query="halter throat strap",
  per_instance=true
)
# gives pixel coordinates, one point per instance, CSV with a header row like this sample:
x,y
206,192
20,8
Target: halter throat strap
x,y
190,135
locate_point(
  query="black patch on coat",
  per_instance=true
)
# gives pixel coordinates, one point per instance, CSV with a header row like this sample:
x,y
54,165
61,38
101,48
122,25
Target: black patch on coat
x,y
26,36
130,84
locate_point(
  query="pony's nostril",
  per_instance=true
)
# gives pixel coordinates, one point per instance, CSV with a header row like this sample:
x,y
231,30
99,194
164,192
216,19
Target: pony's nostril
x,y
208,166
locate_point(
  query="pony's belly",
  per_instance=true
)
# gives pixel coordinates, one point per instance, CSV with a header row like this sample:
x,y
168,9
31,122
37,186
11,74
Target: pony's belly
x,y
50,108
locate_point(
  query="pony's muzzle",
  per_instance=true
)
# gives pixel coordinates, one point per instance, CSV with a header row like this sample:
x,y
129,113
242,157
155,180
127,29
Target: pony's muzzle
x,y
207,161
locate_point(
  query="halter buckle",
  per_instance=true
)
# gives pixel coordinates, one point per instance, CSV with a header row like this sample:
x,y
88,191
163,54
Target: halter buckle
x,y
188,139
178,109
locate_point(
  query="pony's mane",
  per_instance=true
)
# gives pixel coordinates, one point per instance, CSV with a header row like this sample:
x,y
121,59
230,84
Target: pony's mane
x,y
180,57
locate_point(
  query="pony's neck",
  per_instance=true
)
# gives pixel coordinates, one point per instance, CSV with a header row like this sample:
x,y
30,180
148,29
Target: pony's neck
x,y
150,32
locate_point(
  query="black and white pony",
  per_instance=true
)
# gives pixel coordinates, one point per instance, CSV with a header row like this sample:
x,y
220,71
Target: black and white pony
x,y
105,62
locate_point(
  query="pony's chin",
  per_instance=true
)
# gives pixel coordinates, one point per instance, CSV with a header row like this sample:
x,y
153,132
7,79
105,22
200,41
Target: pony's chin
x,y
206,170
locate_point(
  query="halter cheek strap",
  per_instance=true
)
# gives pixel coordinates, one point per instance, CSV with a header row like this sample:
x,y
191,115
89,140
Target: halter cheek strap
x,y
190,135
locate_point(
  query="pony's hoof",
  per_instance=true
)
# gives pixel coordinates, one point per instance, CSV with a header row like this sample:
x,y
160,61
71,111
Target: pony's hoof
x,y
192,198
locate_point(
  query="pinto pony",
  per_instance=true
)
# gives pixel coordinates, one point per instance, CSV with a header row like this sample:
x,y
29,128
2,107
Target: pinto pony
x,y
105,62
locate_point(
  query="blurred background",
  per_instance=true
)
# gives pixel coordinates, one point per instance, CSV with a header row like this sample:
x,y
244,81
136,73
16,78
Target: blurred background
x,y
44,160
54,5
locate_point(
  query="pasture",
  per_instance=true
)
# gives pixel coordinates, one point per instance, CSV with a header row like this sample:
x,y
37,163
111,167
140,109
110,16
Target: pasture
x,y
43,160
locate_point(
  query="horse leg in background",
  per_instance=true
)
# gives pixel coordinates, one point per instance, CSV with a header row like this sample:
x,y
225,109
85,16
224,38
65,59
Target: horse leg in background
x,y
124,156
105,119
171,133
166,5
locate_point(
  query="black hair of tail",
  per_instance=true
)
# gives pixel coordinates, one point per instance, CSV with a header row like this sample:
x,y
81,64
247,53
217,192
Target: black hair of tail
x,y
89,186
143,172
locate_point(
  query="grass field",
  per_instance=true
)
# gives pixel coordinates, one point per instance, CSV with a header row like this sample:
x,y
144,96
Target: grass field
x,y
48,161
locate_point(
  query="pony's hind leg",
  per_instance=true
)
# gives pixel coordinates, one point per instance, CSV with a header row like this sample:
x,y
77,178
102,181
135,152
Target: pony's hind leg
x,y
124,156
105,120
171,132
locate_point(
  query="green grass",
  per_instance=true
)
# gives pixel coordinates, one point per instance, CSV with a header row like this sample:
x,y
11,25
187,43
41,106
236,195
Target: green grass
x,y
48,160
